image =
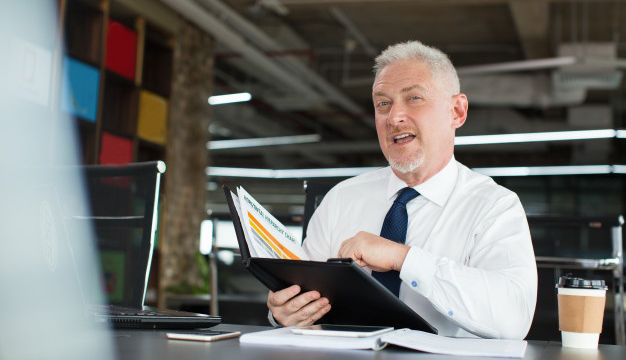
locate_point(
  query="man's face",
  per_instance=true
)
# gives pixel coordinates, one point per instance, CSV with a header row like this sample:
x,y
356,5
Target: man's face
x,y
415,117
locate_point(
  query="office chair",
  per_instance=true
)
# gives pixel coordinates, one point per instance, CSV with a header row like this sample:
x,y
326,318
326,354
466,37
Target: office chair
x,y
124,212
314,193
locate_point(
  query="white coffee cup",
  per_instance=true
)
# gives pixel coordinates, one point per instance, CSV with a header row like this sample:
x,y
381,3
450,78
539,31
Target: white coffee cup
x,y
581,311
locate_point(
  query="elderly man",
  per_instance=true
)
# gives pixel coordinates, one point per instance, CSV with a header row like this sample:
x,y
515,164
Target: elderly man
x,y
451,243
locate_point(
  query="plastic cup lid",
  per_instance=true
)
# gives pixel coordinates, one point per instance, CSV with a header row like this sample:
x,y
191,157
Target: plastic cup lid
x,y
568,281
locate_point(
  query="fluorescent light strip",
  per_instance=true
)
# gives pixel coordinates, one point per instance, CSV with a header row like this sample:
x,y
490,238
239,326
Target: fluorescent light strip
x,y
286,173
459,140
545,170
349,172
240,172
269,141
619,169
539,136
229,98
322,173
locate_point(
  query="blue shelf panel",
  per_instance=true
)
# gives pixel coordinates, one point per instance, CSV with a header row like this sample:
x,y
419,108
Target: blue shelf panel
x,y
80,89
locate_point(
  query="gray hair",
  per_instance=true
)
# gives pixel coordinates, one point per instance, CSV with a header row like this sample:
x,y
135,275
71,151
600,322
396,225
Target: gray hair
x,y
438,62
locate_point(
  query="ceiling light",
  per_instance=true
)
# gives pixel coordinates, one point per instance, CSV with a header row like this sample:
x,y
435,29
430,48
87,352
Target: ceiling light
x,y
539,136
269,141
229,98
286,173
349,172
619,169
239,172
546,170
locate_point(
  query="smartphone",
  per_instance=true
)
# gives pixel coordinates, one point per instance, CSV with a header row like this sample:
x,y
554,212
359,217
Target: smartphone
x,y
203,335
353,331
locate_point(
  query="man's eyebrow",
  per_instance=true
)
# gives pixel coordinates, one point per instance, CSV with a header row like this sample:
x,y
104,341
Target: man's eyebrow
x,y
407,89
404,90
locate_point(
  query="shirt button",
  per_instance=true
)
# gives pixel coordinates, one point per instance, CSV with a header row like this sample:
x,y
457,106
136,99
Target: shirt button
x,y
414,283
450,313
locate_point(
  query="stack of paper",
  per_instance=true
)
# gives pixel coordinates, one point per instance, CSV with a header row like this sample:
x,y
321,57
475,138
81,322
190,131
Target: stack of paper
x,y
422,341
284,337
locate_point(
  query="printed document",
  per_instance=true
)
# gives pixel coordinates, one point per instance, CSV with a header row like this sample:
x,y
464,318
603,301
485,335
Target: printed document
x,y
411,339
267,237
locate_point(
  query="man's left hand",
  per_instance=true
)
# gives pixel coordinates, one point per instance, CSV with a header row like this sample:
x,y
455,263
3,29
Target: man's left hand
x,y
373,251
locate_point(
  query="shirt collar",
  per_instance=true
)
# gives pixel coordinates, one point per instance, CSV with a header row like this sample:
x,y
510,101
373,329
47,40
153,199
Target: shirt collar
x,y
436,189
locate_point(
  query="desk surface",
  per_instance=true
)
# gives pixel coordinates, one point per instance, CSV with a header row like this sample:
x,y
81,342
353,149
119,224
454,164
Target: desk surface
x,y
152,345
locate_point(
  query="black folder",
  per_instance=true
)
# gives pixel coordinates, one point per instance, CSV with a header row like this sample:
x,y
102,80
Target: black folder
x,y
355,296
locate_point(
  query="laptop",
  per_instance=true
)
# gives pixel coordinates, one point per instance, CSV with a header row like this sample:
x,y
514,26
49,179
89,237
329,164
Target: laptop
x,y
123,209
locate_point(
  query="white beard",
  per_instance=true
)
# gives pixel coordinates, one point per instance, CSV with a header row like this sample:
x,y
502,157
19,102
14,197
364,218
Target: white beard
x,y
409,166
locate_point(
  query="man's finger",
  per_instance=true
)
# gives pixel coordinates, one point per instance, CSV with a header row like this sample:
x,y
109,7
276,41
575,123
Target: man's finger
x,y
281,297
312,308
301,301
316,316
342,249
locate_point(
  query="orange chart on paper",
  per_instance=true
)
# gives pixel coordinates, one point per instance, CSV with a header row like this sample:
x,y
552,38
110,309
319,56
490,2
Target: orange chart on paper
x,y
271,241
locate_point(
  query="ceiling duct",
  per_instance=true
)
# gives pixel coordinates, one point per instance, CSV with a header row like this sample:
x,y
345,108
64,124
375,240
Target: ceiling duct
x,y
238,35
519,90
234,42
578,68
260,39
595,69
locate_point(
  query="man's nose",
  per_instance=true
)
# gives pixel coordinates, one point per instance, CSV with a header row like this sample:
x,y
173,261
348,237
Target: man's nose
x,y
398,114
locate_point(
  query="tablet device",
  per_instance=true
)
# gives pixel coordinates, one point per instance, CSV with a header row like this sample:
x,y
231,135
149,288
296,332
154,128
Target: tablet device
x,y
353,331
356,297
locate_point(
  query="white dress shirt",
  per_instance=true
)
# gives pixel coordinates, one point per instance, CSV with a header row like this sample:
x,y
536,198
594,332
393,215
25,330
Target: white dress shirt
x,y
471,266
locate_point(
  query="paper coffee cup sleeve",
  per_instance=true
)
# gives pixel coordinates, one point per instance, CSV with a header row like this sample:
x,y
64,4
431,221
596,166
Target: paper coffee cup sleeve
x,y
581,313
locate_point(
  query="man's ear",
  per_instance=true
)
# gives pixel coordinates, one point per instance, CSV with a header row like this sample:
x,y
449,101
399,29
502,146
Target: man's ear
x,y
459,110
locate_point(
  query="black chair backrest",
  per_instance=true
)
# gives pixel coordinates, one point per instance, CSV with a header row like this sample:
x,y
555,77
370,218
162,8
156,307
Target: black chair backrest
x,y
314,193
124,212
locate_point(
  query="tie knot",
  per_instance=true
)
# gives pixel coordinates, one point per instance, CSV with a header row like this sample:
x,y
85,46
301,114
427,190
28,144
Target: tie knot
x,y
407,194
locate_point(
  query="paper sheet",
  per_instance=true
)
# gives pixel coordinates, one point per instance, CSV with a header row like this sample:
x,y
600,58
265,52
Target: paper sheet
x,y
267,237
411,339
284,337
423,341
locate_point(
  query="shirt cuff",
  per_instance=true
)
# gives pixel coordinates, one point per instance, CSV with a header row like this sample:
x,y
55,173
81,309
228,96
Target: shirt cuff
x,y
418,270
271,319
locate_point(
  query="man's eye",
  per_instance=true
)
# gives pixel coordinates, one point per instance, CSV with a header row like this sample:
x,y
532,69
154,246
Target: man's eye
x,y
383,103
415,97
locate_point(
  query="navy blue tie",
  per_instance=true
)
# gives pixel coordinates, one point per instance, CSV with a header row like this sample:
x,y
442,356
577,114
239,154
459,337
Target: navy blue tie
x,y
394,228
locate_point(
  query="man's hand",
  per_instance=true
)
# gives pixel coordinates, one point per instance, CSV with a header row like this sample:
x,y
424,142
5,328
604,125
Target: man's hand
x,y
373,251
301,310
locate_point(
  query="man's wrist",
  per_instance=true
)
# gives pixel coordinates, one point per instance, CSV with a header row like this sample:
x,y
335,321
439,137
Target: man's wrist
x,y
402,251
270,318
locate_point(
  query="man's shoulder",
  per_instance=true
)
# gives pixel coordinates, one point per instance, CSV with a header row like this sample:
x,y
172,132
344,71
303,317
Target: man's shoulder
x,y
370,178
477,184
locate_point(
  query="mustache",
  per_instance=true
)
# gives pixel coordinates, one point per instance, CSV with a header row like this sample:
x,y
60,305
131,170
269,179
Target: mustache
x,y
397,129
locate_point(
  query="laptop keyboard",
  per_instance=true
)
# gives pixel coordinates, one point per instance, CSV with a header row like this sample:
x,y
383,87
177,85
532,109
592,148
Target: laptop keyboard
x,y
124,311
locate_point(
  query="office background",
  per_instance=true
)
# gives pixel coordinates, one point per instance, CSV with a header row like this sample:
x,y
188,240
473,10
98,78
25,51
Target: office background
x,y
136,77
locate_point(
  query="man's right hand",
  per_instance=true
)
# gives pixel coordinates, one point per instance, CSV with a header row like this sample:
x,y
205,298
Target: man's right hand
x,y
291,309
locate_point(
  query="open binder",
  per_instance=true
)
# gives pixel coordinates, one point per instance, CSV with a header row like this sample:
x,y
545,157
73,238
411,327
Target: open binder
x,y
355,296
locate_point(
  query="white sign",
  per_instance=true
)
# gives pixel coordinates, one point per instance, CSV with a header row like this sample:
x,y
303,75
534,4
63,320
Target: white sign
x,y
31,71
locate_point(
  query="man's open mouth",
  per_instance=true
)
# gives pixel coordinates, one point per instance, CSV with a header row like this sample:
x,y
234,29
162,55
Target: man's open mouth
x,y
403,138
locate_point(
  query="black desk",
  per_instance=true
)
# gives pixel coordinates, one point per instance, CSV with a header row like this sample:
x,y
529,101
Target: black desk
x,y
152,345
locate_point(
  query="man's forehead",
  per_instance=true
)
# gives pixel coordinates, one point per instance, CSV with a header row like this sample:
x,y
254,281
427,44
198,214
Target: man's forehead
x,y
408,88
411,75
